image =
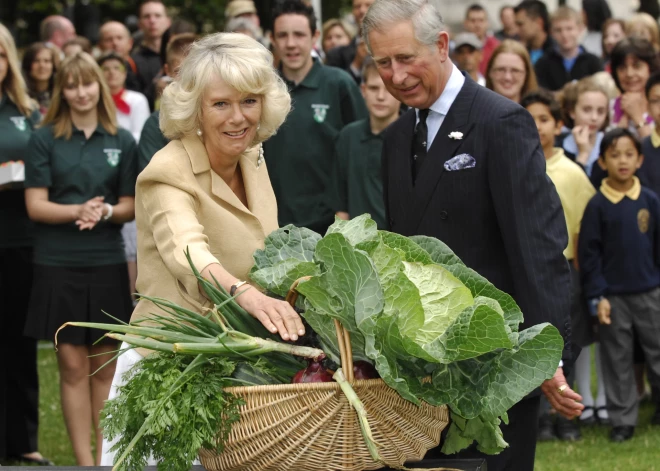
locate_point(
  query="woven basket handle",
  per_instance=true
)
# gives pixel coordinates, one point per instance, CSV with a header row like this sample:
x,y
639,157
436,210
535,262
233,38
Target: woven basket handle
x,y
343,336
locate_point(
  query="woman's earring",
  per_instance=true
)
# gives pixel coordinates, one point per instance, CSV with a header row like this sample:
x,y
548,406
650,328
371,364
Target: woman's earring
x,y
258,126
260,160
199,132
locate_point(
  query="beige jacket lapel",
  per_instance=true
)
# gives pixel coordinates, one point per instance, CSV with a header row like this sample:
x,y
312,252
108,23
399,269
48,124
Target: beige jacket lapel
x,y
199,160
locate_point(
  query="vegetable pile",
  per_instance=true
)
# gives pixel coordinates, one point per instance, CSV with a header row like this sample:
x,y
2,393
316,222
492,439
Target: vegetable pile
x,y
415,311
433,329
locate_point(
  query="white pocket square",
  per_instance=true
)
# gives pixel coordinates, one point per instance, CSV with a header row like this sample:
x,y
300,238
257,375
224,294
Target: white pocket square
x,y
460,162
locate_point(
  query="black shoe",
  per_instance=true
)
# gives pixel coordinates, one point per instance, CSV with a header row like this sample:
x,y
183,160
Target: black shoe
x,y
567,430
655,418
33,461
602,420
622,433
546,429
589,421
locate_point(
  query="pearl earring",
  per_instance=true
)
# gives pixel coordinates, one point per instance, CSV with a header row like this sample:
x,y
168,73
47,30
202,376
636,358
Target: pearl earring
x,y
258,126
260,160
199,132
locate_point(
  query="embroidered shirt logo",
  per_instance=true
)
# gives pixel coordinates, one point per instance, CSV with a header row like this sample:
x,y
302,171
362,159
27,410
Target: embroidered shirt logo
x,y
19,122
113,156
320,112
643,217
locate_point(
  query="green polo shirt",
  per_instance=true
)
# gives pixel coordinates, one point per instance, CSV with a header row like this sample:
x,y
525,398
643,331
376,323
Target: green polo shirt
x,y
300,156
75,171
357,184
15,132
151,141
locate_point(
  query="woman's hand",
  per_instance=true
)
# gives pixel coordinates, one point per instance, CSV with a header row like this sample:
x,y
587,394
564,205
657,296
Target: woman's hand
x,y
89,213
275,315
581,136
634,105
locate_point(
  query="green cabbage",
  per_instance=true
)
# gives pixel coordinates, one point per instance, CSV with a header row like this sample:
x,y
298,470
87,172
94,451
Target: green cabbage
x,y
416,311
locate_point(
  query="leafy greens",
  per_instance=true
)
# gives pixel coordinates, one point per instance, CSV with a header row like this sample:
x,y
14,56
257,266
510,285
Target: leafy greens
x,y
416,311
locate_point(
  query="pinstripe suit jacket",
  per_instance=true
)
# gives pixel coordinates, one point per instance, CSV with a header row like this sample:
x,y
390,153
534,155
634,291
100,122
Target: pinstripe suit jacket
x,y
503,217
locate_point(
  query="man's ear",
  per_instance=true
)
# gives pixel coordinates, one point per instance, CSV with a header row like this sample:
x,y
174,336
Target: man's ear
x,y
316,36
443,45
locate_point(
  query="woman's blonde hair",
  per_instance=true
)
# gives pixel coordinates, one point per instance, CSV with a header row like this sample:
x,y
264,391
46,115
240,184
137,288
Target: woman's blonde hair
x,y
14,85
647,21
514,47
79,68
240,62
331,23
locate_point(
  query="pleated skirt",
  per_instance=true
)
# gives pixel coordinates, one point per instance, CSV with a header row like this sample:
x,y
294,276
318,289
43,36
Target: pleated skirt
x,y
77,294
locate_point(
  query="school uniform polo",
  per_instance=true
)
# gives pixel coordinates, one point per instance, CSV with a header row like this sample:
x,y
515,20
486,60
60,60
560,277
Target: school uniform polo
x,y
15,129
300,156
151,141
357,180
649,172
575,191
619,243
76,170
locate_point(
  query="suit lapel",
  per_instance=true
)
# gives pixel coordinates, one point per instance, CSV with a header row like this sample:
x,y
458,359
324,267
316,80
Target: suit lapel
x,y
199,160
443,148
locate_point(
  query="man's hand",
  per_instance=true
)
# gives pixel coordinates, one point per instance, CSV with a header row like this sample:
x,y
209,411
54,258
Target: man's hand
x,y
604,312
565,402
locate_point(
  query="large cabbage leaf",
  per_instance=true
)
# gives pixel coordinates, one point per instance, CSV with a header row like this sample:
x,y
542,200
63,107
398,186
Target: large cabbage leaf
x,y
436,330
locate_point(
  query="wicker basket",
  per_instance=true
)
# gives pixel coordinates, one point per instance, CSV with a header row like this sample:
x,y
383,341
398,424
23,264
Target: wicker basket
x,y
307,427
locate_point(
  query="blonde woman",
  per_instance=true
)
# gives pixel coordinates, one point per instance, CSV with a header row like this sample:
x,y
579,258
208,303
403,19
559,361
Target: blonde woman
x,y
80,183
644,26
19,385
208,190
510,72
336,33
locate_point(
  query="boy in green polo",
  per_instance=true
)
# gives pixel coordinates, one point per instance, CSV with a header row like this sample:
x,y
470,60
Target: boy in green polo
x,y
357,185
325,99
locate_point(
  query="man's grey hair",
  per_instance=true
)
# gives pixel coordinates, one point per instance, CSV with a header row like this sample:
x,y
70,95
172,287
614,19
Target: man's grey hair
x,y
424,14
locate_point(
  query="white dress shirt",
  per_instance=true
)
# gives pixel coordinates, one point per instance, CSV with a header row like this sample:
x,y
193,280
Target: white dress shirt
x,y
440,108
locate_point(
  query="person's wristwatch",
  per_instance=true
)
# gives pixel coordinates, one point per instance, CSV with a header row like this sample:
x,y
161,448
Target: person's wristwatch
x,y
108,215
235,286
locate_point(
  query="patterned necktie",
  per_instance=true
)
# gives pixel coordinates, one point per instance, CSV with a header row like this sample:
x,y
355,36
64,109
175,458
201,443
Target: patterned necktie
x,y
419,142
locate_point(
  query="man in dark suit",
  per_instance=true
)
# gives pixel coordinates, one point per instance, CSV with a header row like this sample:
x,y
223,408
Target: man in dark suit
x,y
465,165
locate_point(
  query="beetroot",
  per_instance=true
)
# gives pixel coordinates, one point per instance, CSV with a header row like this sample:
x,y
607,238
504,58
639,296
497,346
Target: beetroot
x,y
364,370
314,373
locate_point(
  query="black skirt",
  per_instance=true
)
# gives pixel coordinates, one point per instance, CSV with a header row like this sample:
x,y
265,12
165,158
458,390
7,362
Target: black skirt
x,y
77,294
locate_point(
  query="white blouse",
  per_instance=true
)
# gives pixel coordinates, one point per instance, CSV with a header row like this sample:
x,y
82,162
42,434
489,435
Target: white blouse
x,y
134,121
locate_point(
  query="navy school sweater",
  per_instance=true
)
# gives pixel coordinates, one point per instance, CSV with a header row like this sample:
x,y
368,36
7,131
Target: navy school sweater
x,y
619,245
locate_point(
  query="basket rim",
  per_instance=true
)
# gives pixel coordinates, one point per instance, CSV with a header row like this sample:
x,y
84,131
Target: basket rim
x,y
303,387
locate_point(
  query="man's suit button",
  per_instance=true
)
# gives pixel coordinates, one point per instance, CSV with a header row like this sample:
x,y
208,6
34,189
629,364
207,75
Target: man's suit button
x,y
443,215
391,222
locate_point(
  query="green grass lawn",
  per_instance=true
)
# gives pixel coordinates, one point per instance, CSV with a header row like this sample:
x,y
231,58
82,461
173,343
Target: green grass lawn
x,y
593,453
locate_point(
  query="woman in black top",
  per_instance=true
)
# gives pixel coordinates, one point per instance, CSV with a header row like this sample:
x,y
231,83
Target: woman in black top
x,y
80,186
19,385
40,63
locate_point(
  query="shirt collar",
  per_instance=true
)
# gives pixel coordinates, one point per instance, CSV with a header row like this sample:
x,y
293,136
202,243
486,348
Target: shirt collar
x,y
616,196
99,130
368,133
655,138
449,94
556,157
312,79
